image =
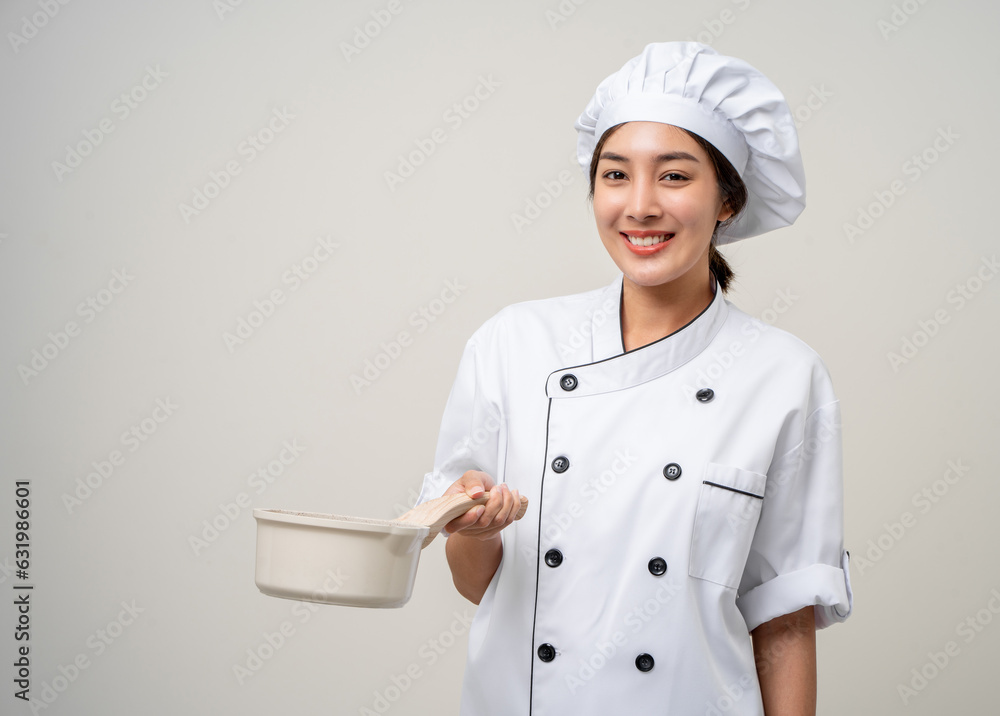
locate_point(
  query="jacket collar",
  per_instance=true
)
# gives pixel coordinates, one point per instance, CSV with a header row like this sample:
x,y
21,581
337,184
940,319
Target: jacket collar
x,y
613,369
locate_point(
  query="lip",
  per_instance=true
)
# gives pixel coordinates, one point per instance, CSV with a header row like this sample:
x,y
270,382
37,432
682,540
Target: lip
x,y
645,250
644,234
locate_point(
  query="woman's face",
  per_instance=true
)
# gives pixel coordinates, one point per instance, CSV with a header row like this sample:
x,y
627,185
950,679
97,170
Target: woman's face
x,y
655,185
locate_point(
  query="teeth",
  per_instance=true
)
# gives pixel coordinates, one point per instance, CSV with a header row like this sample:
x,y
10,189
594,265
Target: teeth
x,y
648,240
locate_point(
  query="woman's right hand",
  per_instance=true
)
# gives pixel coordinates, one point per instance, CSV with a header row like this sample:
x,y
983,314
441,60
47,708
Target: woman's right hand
x,y
484,521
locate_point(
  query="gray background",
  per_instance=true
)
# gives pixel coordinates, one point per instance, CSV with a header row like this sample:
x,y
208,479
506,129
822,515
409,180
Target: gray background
x,y
869,91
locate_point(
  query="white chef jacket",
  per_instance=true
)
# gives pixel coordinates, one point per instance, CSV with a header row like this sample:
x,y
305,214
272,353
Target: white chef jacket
x,y
680,494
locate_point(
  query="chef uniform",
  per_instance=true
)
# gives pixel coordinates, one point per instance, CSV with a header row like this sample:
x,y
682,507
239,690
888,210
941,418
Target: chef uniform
x,y
680,494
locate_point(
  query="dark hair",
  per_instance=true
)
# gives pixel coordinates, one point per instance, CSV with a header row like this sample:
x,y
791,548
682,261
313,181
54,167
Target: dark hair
x,y
731,188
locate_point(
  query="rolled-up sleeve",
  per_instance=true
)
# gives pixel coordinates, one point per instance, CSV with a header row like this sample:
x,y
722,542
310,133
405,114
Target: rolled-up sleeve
x,y
797,556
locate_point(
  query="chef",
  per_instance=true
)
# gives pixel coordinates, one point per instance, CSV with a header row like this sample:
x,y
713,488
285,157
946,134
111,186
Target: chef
x,y
682,460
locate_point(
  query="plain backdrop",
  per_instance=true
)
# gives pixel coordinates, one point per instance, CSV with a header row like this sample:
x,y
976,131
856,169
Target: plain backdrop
x,y
159,351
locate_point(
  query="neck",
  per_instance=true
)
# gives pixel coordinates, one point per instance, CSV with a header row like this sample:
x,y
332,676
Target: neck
x,y
650,313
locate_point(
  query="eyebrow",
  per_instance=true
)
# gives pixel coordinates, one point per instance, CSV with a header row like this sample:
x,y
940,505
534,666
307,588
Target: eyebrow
x,y
668,157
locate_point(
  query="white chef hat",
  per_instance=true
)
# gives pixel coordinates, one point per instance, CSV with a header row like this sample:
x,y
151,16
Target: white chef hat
x,y
723,100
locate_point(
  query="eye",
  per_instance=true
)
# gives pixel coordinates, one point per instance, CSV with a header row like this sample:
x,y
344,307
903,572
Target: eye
x,y
614,175
674,176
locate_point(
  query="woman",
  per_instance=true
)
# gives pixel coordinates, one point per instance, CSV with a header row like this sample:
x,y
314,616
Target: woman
x,y
682,464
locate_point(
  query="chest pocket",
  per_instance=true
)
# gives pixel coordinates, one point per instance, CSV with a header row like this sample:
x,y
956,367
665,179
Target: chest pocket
x,y
728,509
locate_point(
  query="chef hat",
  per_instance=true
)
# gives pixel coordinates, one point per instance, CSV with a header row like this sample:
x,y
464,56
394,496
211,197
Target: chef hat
x,y
723,100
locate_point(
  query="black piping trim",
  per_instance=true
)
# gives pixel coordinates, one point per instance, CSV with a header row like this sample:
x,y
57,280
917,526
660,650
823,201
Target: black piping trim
x,y
538,560
731,489
621,307
700,314
624,352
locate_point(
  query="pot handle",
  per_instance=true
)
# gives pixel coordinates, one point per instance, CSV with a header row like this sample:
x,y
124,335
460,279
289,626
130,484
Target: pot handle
x,y
438,512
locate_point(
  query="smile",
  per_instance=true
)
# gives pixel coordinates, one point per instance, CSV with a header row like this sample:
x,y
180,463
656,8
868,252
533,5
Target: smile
x,y
647,240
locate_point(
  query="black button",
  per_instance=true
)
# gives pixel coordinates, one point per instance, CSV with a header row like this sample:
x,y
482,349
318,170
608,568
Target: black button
x,y
568,382
705,395
657,566
547,652
560,464
644,662
553,558
672,471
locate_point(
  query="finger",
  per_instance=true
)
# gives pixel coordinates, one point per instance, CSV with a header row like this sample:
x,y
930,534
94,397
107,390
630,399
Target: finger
x,y
476,483
493,506
465,521
486,480
502,517
511,507
504,505
515,505
470,480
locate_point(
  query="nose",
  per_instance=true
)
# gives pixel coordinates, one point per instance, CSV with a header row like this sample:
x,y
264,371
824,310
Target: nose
x,y
643,203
